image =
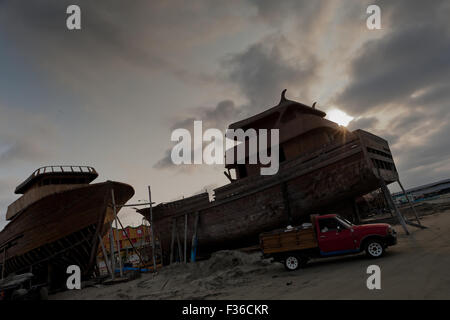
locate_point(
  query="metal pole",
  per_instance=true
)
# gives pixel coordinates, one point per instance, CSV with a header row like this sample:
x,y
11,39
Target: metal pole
x,y
111,244
151,228
118,233
390,202
410,203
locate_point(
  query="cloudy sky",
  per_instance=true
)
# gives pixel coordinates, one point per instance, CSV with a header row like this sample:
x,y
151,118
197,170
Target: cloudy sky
x,y
109,95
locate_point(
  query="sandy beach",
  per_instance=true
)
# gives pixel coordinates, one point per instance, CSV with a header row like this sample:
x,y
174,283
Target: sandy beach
x,y
416,268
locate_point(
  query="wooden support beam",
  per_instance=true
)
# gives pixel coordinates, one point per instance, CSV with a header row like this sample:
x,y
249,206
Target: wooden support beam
x,y
185,236
180,252
194,238
105,255
96,232
4,262
172,241
27,259
76,256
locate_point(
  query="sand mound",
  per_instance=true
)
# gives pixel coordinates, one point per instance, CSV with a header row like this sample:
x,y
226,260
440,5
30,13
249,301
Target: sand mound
x,y
204,278
224,271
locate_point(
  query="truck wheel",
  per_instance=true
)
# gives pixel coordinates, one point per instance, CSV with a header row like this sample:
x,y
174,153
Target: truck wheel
x,y
292,262
374,248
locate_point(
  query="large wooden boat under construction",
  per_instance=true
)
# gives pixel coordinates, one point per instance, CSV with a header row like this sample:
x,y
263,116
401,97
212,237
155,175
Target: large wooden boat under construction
x,y
57,221
323,168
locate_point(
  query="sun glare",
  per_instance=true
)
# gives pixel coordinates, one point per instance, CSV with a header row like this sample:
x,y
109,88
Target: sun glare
x,y
339,116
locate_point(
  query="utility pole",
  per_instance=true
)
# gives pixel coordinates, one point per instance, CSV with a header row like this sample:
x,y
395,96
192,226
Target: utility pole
x,y
151,228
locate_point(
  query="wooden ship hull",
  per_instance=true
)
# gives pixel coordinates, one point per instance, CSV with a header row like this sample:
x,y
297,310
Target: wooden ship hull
x,y
61,229
323,168
328,180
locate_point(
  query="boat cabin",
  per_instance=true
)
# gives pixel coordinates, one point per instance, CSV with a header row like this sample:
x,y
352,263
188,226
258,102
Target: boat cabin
x,y
56,175
302,129
49,180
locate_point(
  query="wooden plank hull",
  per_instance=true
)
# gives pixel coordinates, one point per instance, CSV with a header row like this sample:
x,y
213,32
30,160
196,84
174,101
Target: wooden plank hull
x,y
62,228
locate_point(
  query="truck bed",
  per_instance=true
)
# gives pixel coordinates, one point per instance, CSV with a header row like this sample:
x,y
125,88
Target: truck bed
x,y
283,240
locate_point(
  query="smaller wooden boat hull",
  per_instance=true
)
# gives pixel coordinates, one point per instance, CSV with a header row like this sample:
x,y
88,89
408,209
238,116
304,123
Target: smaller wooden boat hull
x,y
61,229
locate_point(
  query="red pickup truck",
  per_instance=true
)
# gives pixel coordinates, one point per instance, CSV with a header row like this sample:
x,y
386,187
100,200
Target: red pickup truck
x,y
326,235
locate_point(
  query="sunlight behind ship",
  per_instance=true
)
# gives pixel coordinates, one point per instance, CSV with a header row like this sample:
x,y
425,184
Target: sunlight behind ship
x,y
339,116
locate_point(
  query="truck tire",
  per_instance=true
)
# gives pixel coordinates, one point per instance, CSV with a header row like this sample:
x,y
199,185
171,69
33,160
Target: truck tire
x,y
293,262
374,248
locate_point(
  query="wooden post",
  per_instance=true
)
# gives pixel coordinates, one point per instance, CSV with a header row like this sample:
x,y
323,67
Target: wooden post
x,y
194,238
118,233
111,249
172,242
185,237
180,252
410,203
151,228
105,255
4,262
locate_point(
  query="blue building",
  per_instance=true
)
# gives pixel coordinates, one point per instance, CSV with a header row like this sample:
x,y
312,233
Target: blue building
x,y
424,192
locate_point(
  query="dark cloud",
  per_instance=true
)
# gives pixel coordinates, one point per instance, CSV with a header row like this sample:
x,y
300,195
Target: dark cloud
x,y
399,82
404,79
260,72
264,69
147,35
430,150
24,138
413,56
218,117
278,13
365,123
21,151
6,198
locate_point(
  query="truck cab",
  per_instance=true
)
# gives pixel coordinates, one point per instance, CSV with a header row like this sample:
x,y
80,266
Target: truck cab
x,y
326,235
336,235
